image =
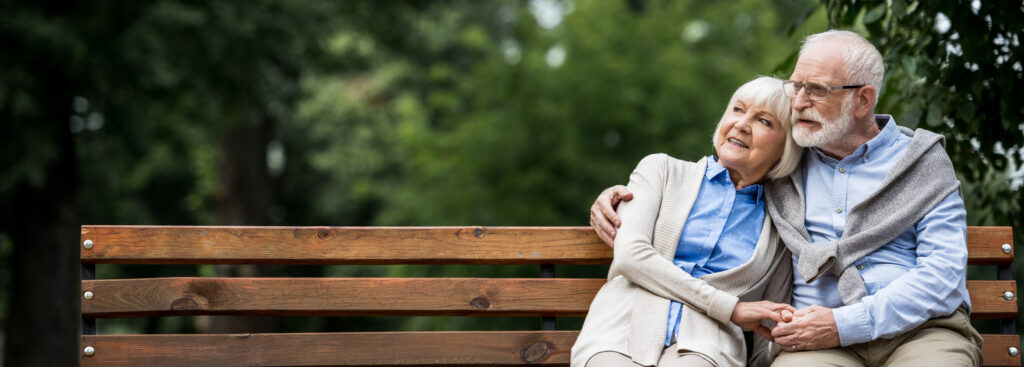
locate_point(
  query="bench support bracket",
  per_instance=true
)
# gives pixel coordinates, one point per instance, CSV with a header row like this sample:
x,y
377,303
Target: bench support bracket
x,y
547,271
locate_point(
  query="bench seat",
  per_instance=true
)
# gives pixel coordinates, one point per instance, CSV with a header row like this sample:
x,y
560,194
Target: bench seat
x,y
546,296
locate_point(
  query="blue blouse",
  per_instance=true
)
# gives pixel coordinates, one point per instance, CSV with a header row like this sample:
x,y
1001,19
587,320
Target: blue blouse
x,y
720,233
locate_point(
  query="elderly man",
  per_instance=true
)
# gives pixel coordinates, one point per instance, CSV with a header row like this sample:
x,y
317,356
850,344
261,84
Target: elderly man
x,y
874,219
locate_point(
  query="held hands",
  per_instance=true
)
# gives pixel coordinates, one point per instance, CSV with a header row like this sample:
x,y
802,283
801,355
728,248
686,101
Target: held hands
x,y
748,315
602,214
810,328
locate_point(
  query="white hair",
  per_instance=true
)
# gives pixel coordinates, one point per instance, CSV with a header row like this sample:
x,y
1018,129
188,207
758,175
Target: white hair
x,y
766,92
862,60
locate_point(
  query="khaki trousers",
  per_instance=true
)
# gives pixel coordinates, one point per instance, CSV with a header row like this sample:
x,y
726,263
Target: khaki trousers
x,y
670,357
946,341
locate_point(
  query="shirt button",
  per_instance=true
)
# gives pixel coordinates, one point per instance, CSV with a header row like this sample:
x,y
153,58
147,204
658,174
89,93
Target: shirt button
x,y
867,156
842,170
860,267
839,210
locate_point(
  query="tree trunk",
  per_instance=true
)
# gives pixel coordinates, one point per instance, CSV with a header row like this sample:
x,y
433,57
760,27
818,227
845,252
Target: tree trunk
x,y
43,315
245,197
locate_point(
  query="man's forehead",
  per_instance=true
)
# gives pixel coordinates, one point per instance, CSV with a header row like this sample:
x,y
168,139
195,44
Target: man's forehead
x,y
823,62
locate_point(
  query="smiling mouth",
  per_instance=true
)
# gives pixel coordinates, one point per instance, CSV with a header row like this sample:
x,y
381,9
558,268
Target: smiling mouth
x,y
738,143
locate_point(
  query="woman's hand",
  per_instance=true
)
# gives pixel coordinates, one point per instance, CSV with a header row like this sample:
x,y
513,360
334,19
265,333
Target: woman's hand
x,y
748,315
603,218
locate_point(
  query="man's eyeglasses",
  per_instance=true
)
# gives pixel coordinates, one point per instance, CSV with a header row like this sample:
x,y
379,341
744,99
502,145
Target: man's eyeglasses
x,y
815,91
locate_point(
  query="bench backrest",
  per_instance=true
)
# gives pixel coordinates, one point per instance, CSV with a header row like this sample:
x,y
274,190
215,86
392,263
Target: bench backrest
x,y
546,296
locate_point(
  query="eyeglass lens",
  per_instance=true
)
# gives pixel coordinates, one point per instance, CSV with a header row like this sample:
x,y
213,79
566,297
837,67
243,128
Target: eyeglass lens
x,y
814,90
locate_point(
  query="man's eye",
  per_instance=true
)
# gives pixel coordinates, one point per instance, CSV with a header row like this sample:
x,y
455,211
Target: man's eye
x,y
737,110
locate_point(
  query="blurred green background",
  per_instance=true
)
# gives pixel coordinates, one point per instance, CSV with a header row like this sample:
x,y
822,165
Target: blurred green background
x,y
358,113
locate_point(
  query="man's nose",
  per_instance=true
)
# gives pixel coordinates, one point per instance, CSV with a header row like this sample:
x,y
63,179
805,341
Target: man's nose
x,y
801,100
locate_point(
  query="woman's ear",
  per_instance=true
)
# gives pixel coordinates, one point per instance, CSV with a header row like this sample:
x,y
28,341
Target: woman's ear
x,y
863,101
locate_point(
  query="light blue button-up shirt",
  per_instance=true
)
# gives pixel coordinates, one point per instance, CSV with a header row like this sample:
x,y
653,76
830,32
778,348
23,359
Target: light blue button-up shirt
x,y
720,233
917,276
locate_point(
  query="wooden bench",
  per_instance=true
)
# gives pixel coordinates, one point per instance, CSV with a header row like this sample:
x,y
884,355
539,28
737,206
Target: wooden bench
x,y
546,296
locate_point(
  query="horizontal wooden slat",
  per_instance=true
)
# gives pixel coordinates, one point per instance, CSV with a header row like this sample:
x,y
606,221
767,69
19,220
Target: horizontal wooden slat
x,y
996,348
383,348
391,296
500,348
985,245
342,245
338,296
987,301
392,245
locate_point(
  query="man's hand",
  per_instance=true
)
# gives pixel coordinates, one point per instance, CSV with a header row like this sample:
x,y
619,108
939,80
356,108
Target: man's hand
x,y
748,315
810,328
602,214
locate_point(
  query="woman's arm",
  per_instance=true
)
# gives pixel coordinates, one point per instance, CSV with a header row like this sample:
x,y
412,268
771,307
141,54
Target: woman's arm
x,y
636,258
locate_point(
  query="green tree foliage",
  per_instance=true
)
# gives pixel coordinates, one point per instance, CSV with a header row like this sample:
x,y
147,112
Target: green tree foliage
x,y
955,67
489,116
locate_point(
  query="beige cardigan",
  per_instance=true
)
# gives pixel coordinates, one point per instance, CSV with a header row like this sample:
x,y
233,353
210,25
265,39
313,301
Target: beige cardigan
x,y
629,315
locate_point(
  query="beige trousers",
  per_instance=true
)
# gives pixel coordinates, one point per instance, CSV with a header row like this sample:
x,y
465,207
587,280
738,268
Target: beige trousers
x,y
947,341
670,357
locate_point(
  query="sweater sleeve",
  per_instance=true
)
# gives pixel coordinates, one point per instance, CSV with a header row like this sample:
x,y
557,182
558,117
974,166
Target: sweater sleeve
x,y
638,260
779,290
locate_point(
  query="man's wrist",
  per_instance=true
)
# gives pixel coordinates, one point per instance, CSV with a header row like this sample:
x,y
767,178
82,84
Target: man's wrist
x,y
853,324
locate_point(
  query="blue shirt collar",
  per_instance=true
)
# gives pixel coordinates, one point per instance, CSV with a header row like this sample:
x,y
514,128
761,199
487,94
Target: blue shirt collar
x,y
885,138
715,169
715,172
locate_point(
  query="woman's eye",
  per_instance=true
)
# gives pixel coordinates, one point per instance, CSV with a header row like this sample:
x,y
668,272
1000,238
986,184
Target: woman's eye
x,y
737,110
766,122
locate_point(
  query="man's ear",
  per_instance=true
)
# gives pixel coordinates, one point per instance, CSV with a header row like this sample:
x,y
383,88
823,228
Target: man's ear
x,y
863,101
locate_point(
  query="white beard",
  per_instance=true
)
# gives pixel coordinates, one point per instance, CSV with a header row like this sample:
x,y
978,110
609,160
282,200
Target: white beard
x,y
830,131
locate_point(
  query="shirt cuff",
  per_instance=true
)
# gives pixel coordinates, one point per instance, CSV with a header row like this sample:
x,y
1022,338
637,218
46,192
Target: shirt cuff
x,y
853,323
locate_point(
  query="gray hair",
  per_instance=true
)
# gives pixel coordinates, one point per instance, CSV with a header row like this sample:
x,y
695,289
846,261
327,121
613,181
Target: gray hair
x,y
766,91
862,60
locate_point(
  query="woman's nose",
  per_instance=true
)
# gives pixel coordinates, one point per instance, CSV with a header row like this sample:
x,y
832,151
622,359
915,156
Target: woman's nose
x,y
744,124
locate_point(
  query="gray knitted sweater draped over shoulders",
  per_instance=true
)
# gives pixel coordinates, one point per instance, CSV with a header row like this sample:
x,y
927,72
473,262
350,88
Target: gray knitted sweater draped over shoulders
x,y
921,179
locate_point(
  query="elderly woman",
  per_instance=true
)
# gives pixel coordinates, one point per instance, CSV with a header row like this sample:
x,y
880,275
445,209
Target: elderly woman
x,y
696,253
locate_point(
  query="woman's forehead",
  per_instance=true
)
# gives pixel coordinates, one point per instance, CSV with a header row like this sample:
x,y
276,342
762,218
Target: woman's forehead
x,y
754,106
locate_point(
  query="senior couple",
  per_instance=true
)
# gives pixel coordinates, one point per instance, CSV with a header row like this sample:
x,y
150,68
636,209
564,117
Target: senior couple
x,y
835,235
